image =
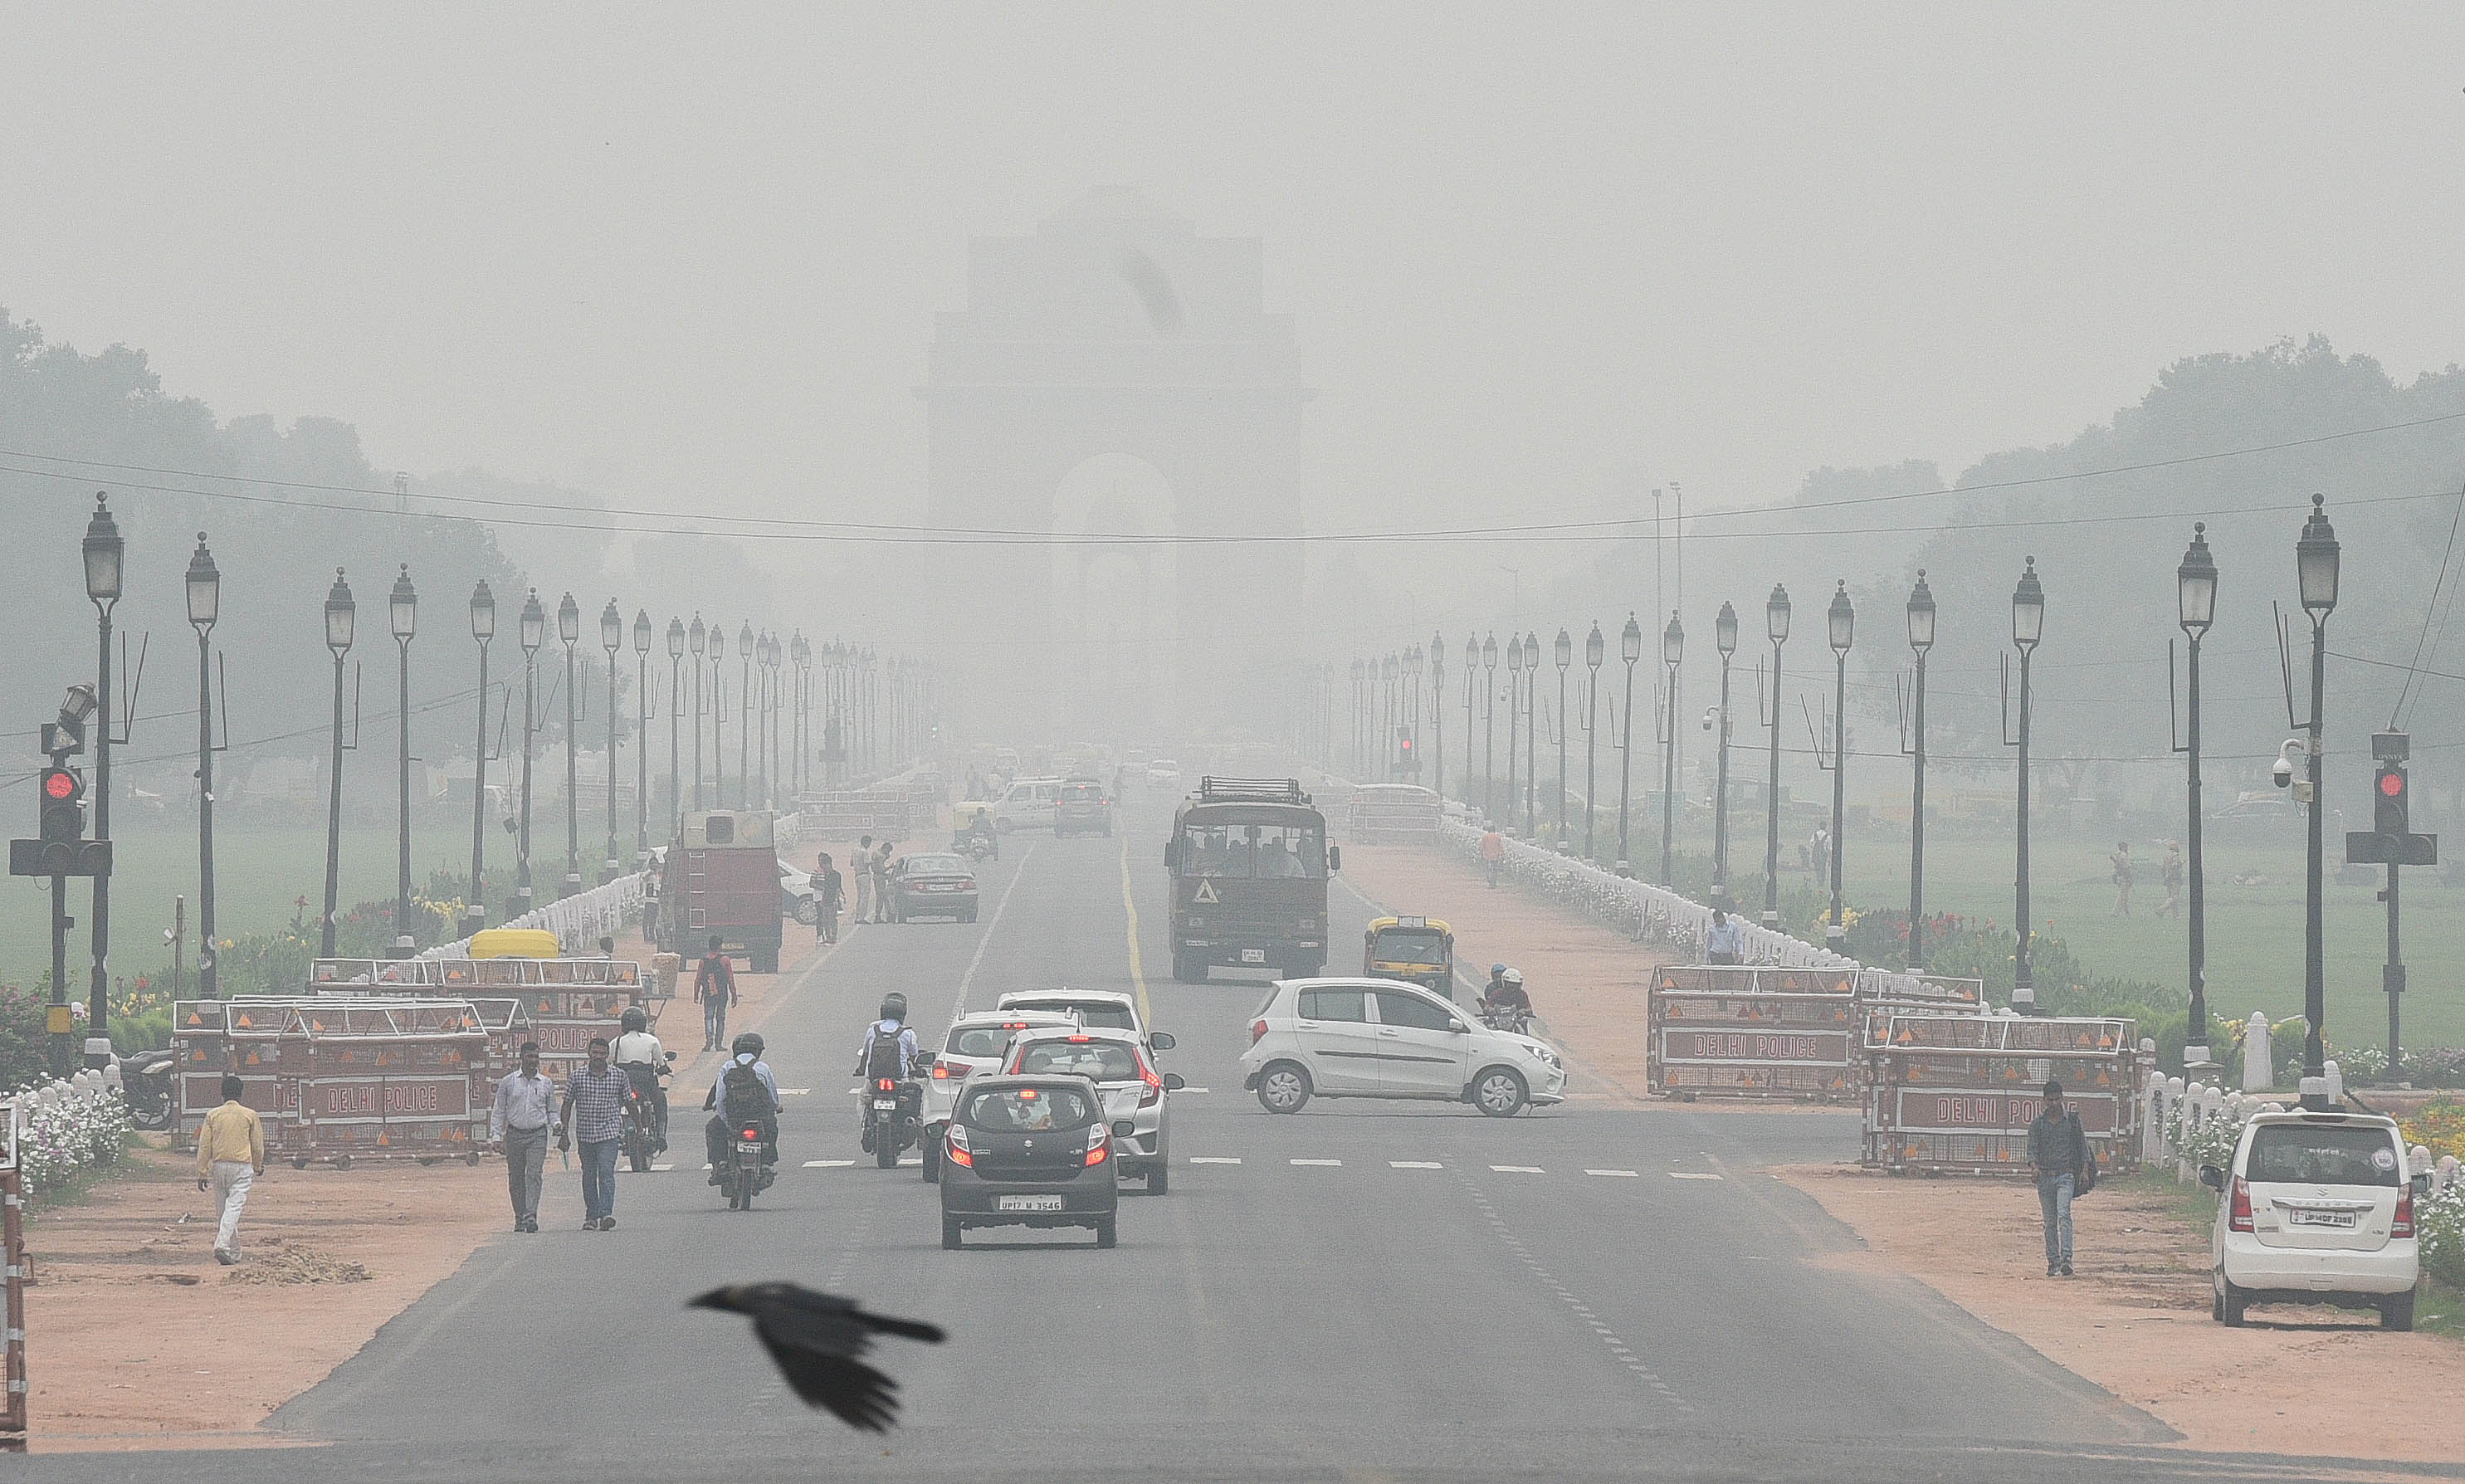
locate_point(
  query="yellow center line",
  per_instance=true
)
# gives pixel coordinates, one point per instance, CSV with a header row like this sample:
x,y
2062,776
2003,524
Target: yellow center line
x,y
1138,976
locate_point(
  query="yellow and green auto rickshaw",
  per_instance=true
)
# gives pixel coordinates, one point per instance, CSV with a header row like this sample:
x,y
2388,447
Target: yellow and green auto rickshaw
x,y
1418,950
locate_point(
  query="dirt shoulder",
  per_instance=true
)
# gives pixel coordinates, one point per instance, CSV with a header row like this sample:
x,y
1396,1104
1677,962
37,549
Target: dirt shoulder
x,y
136,1338
2306,1381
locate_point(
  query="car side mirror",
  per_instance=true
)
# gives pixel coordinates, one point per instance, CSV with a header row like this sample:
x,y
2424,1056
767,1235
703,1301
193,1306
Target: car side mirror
x,y
1335,857
2213,1177
1174,1082
1168,854
1458,1027
1161,1040
2421,1183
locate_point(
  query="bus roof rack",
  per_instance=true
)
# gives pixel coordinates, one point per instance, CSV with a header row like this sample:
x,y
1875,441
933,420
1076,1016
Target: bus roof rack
x,y
1250,790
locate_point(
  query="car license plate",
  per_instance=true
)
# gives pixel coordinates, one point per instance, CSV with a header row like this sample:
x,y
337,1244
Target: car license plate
x,y
1253,955
885,1105
1027,1203
2303,1218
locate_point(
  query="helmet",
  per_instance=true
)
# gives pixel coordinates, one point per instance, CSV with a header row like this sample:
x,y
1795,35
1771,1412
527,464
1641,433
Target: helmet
x,y
1496,969
747,1044
894,1007
635,1020
1512,975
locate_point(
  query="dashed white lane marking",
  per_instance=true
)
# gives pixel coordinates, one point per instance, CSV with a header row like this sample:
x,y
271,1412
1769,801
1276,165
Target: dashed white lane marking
x,y
794,1092
1518,1169
1692,1174
823,1165
661,1169
1610,1341
1323,1163
1626,1173
1188,1091
1213,1159
1414,1164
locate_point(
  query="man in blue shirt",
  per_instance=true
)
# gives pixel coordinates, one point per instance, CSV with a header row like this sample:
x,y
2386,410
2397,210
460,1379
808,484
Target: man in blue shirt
x,y
595,1117
759,1110
1724,941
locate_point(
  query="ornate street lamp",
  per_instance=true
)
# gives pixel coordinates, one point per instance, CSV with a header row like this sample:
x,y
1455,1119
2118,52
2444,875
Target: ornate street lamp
x,y
676,714
402,607
205,609
1513,704
1724,638
1672,652
745,726
483,628
1776,629
1565,652
533,632
697,639
1920,640
1843,623
1594,648
341,618
611,639
2315,566
641,739
2027,628
104,553
1489,729
1438,715
1531,742
1629,649
568,629
2195,594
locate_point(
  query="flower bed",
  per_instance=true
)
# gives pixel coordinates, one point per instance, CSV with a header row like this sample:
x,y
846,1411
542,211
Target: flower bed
x,y
69,1127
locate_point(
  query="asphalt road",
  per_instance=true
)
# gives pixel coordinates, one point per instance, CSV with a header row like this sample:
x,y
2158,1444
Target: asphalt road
x,y
1362,1291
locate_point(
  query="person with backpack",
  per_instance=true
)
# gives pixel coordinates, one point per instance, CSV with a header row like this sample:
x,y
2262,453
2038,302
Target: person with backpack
x,y
2059,1155
889,1052
745,1096
715,986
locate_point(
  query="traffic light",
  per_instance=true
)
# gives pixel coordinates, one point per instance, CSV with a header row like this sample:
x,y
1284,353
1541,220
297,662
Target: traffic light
x,y
2390,811
62,802
1405,762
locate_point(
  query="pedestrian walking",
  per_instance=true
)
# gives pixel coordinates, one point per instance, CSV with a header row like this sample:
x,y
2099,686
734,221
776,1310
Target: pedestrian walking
x,y
518,1124
2059,1154
882,882
2120,861
593,1117
1492,852
829,893
715,986
230,1153
2171,873
1725,942
862,866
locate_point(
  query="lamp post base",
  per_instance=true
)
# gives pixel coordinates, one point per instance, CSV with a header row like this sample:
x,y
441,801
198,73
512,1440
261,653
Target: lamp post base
x,y
402,948
1625,871
571,885
473,918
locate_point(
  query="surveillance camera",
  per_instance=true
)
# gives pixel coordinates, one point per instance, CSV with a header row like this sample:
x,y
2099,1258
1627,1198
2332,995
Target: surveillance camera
x,y
1709,712
2283,772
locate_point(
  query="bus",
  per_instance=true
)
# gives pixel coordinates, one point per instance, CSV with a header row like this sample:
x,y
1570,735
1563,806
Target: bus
x,y
1249,862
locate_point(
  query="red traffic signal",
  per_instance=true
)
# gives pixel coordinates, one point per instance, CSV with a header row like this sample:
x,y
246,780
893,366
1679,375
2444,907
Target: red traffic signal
x,y
61,785
2392,809
62,805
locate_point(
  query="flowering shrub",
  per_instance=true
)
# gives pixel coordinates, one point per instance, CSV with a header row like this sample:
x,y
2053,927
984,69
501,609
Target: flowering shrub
x,y
2438,1066
2440,1219
2212,1143
67,1130
2438,1127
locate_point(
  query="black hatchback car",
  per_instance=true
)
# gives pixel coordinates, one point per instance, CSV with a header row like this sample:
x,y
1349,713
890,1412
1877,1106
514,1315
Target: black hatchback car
x,y
935,885
1028,1151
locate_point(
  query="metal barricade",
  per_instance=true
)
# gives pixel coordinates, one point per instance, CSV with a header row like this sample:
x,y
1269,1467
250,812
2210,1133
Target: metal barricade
x,y
340,1076
1392,815
1740,1031
1955,1093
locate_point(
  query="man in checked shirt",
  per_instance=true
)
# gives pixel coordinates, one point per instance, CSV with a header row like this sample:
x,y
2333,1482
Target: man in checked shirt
x,y
593,1116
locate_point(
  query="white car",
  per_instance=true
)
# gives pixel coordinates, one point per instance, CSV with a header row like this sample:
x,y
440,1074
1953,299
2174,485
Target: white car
x,y
977,1042
799,895
1133,1091
1027,804
2316,1207
1163,770
1098,1009
1382,1038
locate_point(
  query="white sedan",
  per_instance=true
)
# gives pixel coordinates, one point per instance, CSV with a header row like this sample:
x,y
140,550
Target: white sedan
x,y
1381,1038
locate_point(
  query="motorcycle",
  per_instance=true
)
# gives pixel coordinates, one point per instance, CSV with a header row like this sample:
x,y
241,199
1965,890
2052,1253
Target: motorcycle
x,y
1516,1018
891,1124
743,1168
977,846
639,1132
149,1080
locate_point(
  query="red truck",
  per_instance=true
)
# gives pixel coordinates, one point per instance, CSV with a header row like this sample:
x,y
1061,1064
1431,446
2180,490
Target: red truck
x,y
722,877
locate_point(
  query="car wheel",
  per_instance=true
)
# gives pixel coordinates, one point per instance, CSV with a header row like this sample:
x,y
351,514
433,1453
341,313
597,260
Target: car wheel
x,y
968,916
2230,1301
1159,1183
1105,1232
2397,1313
1283,1088
951,1234
2217,1296
885,1150
1499,1092
932,1157
808,912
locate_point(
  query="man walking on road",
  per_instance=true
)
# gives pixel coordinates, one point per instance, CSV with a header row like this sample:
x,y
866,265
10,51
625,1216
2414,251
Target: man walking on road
x,y
230,1153
880,866
518,1123
2057,1151
1492,852
593,1116
1723,940
829,895
715,986
862,866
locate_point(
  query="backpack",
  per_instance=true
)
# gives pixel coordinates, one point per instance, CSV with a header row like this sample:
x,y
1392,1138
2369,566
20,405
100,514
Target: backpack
x,y
882,1057
2086,1180
744,1093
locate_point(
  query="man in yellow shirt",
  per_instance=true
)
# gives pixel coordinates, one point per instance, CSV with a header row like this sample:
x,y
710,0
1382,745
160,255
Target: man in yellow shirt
x,y
230,1153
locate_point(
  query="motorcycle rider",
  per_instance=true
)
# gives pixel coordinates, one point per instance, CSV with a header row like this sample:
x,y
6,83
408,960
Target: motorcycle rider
x,y
1505,999
644,1062
889,1051
744,1107
981,828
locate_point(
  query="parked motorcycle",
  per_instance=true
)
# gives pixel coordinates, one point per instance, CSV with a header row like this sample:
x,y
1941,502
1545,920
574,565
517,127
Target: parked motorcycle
x,y
893,1123
639,1132
148,1081
743,1168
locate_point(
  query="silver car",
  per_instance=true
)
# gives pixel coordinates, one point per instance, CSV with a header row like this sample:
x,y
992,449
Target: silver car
x,y
977,1042
1135,1104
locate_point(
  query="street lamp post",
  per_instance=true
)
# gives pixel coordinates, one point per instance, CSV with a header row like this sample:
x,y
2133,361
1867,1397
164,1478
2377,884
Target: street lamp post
x,y
715,645
1629,649
205,607
611,639
2195,591
1438,714
1843,622
2027,628
1920,640
1531,742
568,629
1513,704
1360,758
746,714
1775,628
2315,562
340,615
533,626
483,628
1472,683
104,553
1724,638
695,639
1673,651
1564,652
1594,648
402,607
1489,729
675,715
641,738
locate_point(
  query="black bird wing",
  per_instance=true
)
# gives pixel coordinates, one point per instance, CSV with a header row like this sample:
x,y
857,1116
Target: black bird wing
x,y
817,1340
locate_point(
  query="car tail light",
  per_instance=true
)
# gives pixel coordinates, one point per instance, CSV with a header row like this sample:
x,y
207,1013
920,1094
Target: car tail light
x,y
1075,1038
2403,1227
1258,1029
1155,1085
1097,1142
2239,1218
941,1073
954,1147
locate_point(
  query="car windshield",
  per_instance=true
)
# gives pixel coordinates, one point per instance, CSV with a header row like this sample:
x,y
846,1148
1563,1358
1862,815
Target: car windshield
x,y
1007,1109
1240,850
937,865
2313,1154
1082,793
1104,1014
1098,1061
1408,946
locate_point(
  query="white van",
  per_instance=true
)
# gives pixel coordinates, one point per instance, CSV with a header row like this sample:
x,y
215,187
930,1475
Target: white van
x,y
1027,805
2316,1208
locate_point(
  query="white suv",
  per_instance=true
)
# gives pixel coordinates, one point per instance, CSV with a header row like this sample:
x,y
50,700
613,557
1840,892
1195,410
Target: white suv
x,y
2315,1208
1381,1038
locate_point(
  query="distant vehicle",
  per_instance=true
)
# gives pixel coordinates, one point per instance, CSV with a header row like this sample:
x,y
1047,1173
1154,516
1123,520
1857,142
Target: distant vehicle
x,y
1163,770
1377,1038
721,879
1417,950
937,885
1028,1152
976,1042
1027,804
798,896
1248,861
2316,1208
1083,807
1133,1090
2258,805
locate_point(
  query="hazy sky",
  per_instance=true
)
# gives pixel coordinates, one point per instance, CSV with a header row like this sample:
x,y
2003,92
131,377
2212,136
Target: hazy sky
x,y
677,251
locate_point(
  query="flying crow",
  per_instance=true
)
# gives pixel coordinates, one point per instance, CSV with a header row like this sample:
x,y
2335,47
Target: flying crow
x,y
816,1338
